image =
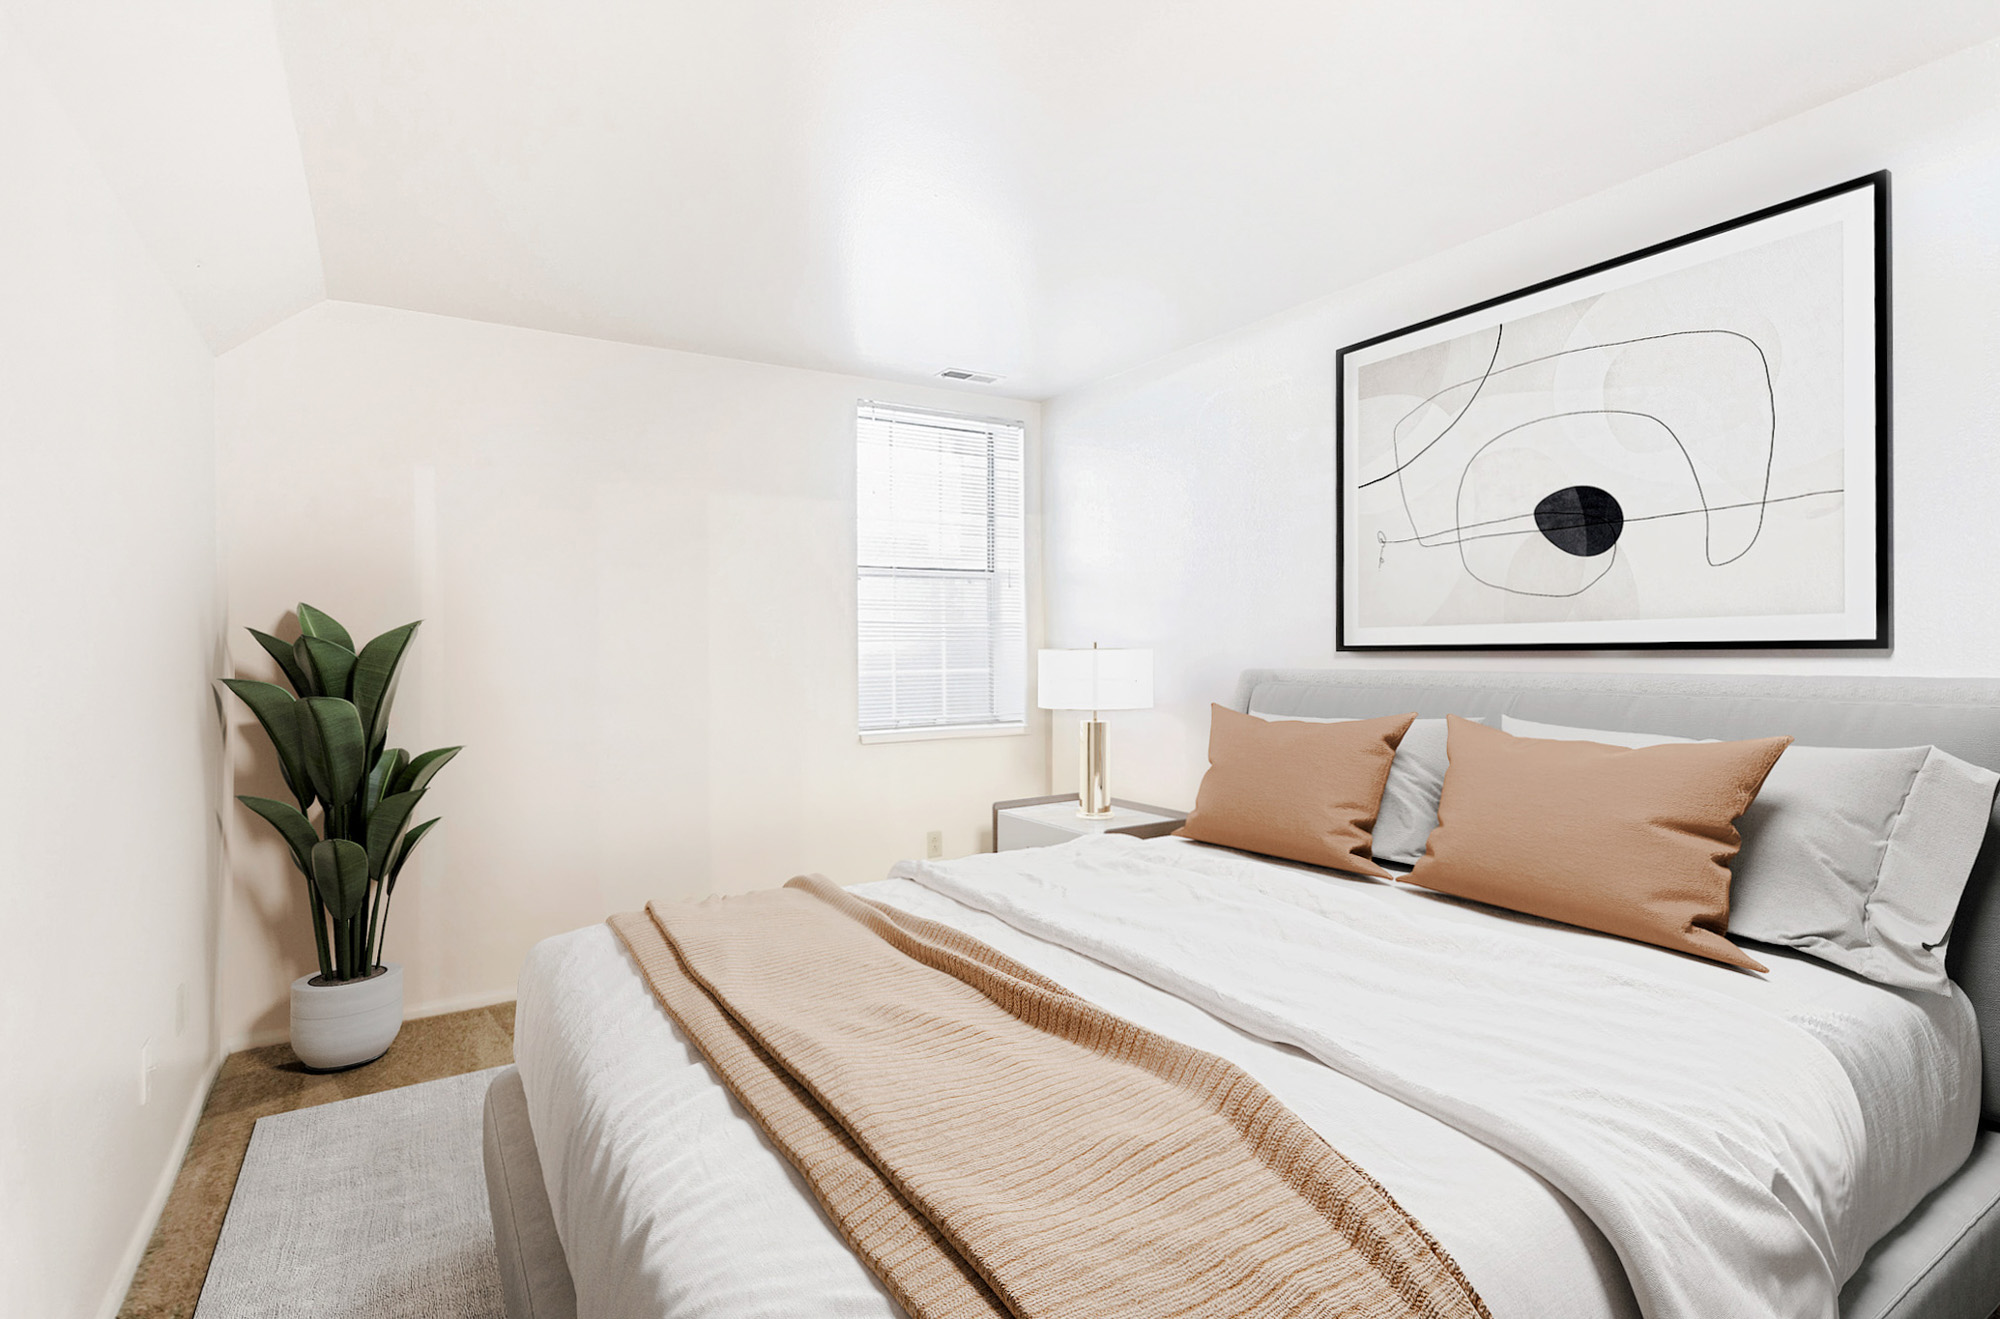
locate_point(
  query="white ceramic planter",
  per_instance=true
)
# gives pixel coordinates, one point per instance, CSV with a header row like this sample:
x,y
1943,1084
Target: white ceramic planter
x,y
346,1024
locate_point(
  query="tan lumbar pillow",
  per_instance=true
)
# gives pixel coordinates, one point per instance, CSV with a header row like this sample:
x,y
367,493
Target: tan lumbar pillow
x,y
1631,841
1855,855
1301,791
1410,801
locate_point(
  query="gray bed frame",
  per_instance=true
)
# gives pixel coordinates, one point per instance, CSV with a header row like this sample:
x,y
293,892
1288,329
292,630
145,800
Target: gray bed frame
x,y
1942,1262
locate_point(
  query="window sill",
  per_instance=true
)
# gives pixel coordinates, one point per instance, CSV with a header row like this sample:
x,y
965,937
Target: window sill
x,y
935,734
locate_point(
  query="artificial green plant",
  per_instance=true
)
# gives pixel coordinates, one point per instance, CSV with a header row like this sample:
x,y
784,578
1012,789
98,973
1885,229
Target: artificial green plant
x,y
331,733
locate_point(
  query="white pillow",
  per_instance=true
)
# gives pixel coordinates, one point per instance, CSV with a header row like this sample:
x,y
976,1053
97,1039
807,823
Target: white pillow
x,y
1410,799
1856,855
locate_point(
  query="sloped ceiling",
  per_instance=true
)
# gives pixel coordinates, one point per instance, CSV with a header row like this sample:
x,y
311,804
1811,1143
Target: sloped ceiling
x,y
185,107
1047,190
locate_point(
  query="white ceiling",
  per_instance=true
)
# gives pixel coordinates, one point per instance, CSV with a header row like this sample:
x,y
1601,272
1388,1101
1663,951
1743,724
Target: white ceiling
x,y
1049,190
184,106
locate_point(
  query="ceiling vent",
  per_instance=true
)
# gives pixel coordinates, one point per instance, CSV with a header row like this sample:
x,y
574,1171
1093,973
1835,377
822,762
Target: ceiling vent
x,y
973,377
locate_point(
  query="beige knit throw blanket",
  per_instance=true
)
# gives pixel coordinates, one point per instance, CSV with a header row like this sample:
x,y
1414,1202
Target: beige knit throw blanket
x,y
990,1144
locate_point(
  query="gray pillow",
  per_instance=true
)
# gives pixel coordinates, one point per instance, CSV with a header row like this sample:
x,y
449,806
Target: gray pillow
x,y
1410,799
1856,855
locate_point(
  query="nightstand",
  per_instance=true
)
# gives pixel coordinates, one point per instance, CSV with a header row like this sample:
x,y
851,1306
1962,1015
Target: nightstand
x,y
1040,821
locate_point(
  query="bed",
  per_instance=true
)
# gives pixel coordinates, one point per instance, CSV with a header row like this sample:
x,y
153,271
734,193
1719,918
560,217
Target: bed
x,y
625,1182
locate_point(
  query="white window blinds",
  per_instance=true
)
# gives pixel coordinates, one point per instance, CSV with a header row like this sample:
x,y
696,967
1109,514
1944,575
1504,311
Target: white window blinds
x,y
938,569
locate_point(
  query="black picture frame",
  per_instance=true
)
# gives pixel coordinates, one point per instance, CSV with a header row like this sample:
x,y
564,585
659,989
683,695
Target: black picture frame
x,y
1574,528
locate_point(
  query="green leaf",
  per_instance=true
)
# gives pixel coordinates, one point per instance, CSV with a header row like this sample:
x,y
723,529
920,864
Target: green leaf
x,y
305,667
403,850
375,675
334,749
384,824
292,824
278,711
318,623
419,772
387,766
331,666
340,876
288,660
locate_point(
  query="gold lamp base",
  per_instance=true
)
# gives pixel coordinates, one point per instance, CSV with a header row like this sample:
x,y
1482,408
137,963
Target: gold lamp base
x,y
1093,798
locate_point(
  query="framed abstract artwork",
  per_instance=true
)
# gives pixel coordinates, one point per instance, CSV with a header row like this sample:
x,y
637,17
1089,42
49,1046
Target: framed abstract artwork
x,y
1683,447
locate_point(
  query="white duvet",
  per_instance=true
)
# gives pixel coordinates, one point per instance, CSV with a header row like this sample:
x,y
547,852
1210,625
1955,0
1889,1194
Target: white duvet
x,y
1591,1127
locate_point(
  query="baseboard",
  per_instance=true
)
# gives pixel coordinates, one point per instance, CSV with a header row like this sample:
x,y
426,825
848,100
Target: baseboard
x,y
257,1039
437,1008
463,1003
128,1267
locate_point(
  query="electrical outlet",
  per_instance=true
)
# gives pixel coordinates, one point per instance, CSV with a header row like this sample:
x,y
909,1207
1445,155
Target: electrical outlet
x,y
934,845
145,1073
180,1009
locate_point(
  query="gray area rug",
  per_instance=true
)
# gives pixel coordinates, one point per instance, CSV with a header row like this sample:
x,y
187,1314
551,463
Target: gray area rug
x,y
369,1207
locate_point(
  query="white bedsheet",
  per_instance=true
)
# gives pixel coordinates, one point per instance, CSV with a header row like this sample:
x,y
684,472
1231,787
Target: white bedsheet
x,y
670,1203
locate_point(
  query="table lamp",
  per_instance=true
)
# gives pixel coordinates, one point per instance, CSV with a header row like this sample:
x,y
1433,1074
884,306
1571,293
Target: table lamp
x,y
1093,680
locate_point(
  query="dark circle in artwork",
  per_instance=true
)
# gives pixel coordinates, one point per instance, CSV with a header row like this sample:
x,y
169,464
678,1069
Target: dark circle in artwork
x,y
1580,520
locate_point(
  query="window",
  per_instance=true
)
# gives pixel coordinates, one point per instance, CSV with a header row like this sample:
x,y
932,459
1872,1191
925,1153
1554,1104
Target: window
x,y
942,614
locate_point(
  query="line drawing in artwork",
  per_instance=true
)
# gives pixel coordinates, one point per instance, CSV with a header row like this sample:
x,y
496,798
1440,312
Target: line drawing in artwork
x,y
1383,538
1708,547
1584,521
1395,450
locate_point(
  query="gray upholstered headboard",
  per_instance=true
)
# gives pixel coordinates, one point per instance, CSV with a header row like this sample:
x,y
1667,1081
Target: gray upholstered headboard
x,y
1959,716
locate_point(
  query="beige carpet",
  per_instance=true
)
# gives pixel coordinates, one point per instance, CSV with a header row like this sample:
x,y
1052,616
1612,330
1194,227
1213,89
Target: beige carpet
x,y
260,1082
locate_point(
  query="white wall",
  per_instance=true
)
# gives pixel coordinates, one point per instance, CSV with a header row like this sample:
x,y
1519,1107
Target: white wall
x,y
1190,504
635,568
108,799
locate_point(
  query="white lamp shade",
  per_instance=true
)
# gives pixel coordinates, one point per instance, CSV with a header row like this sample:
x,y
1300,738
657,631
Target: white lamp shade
x,y
1094,679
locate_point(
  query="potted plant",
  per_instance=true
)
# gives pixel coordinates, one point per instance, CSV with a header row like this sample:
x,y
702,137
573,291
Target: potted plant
x,y
331,733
